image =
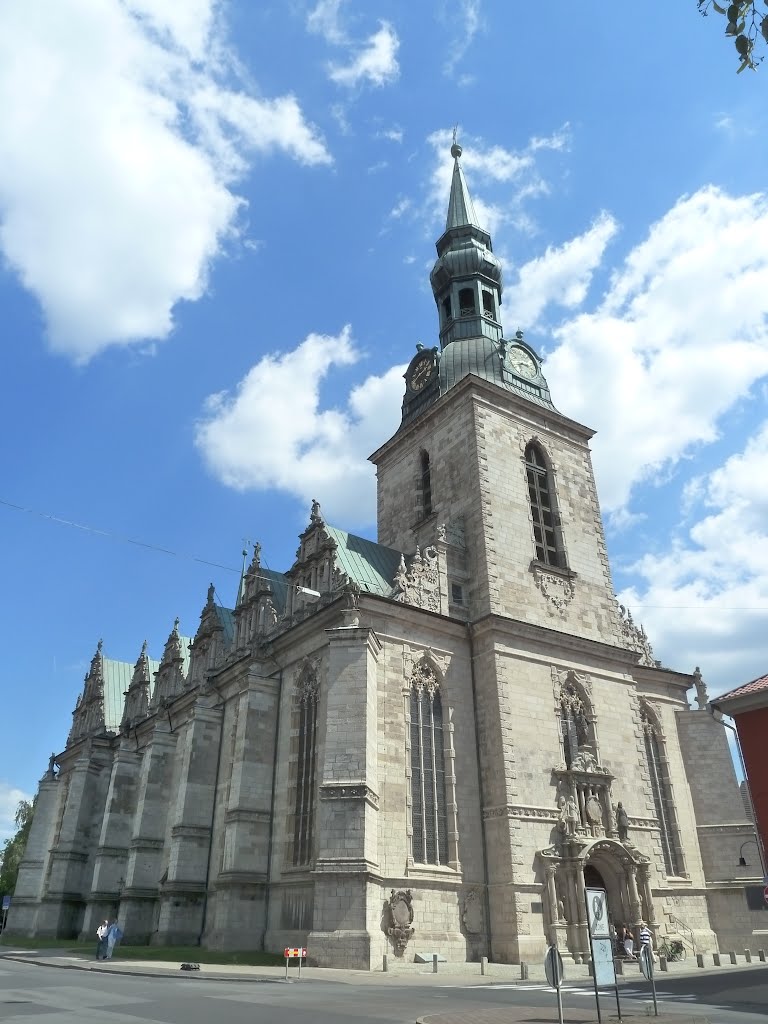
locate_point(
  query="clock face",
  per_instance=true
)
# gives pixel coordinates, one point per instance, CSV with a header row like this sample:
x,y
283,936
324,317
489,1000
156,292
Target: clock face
x,y
421,373
521,362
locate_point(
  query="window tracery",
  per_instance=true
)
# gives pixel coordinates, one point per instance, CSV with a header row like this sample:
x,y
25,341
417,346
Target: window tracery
x,y
543,508
305,714
429,819
661,789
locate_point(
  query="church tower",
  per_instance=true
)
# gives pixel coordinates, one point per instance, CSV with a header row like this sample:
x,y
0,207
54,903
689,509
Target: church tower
x,y
483,455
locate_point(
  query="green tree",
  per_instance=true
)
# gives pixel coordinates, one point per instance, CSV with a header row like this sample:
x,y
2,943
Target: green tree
x,y
13,849
744,24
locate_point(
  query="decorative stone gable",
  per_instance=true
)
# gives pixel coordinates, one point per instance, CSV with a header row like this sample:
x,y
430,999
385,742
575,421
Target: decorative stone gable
x,y
136,707
208,645
419,583
256,615
635,638
314,569
88,716
169,680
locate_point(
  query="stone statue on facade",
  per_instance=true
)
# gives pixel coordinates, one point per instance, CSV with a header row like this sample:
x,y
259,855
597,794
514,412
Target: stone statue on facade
x,y
702,697
51,773
622,822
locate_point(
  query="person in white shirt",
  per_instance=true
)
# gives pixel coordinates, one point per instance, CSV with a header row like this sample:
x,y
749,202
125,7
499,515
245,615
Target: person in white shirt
x,y
101,946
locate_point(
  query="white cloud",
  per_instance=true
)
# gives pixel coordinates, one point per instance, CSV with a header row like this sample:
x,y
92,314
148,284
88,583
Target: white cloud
x,y
680,336
562,275
325,20
116,167
376,62
248,441
706,597
10,797
465,16
395,134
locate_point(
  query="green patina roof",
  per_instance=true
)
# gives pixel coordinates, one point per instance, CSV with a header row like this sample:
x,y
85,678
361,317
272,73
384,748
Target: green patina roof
x,y
117,679
372,566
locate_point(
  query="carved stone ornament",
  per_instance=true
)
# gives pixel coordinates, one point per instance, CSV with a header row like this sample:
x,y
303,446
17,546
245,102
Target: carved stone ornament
x,y
558,590
472,913
419,584
401,919
635,637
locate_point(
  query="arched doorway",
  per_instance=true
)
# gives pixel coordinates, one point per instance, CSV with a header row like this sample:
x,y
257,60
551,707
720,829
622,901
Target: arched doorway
x,y
593,879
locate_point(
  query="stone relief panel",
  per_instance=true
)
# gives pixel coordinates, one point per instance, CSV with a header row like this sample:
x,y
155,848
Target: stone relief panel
x,y
558,590
400,916
472,916
419,584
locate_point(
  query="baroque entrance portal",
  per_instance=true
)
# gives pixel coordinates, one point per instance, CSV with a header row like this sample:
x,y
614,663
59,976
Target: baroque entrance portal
x,y
604,863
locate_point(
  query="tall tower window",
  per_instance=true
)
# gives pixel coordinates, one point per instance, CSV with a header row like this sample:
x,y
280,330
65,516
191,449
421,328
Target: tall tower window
x,y
428,803
662,793
488,305
305,710
467,302
576,729
426,485
447,313
540,494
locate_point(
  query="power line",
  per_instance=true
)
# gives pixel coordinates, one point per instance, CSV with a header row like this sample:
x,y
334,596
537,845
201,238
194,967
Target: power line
x,y
122,538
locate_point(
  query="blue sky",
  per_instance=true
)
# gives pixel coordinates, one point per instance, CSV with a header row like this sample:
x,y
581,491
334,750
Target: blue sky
x,y
217,221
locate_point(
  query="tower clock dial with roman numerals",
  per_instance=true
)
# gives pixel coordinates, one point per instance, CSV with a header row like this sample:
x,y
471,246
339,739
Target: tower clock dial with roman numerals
x,y
421,371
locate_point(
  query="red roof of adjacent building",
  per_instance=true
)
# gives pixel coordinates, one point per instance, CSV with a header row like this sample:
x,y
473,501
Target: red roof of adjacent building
x,y
756,686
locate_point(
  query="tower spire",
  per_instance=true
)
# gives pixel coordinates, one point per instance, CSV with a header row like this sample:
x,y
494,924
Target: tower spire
x,y
461,209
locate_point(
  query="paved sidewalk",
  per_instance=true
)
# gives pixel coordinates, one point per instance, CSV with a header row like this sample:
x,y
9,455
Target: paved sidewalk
x,y
514,1014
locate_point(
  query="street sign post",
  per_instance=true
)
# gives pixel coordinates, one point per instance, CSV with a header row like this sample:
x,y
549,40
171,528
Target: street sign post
x,y
646,966
601,946
553,968
6,907
294,953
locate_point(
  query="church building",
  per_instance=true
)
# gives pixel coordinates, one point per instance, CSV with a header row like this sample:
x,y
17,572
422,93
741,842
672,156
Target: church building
x,y
430,743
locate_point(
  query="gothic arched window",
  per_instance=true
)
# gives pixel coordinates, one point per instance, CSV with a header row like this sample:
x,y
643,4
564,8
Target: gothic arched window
x,y
543,510
305,711
662,792
426,484
575,727
428,803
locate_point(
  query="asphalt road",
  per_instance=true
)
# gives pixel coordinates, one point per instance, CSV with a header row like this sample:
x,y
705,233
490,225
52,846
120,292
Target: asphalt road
x,y
50,995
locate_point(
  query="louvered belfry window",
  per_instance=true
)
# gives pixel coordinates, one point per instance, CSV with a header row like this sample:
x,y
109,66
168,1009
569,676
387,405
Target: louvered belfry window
x,y
542,507
662,795
428,804
304,811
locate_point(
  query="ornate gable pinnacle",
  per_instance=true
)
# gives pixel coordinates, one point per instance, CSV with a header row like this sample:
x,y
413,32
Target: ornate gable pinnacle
x,y
635,637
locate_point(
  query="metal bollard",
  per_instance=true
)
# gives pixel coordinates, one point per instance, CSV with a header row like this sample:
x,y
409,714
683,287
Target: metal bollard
x,y
699,959
484,965
716,959
434,963
761,955
523,971
748,955
619,966
732,955
384,964
664,964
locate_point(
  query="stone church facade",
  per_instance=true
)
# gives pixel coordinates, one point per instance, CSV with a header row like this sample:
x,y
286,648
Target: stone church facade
x,y
433,742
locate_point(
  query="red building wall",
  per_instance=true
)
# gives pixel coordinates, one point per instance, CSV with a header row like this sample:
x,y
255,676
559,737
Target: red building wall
x,y
752,727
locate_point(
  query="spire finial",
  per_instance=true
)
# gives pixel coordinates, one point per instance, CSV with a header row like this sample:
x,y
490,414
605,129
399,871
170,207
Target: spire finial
x,y
455,148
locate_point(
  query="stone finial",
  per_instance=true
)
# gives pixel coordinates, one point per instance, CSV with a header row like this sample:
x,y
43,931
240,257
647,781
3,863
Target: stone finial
x,y
702,696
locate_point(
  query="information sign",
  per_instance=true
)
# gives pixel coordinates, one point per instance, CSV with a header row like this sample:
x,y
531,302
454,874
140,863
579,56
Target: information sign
x,y
7,903
294,951
597,911
602,962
